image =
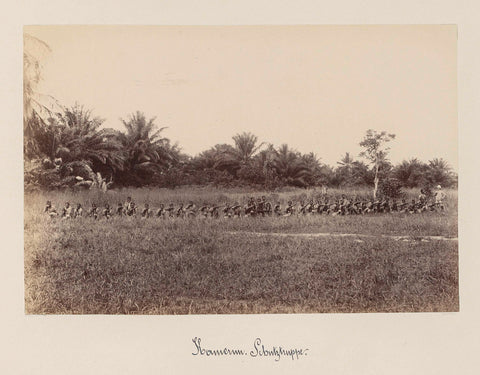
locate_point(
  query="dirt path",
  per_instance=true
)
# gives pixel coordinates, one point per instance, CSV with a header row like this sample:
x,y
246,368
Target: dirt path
x,y
355,235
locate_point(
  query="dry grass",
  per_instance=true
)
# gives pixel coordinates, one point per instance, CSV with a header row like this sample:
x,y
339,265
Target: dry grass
x,y
134,266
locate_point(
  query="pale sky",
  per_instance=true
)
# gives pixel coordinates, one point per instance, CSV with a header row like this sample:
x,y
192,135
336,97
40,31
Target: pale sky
x,y
316,88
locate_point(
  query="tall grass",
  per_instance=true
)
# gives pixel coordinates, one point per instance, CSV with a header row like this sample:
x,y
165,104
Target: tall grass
x,y
180,266
201,195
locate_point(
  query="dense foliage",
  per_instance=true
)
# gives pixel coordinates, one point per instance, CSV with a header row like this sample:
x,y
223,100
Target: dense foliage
x,y
73,150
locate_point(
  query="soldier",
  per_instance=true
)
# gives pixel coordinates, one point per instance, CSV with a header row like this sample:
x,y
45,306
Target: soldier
x,y
237,210
326,206
48,207
422,201
227,211
363,207
394,206
120,211
67,211
161,211
354,208
412,207
204,210
303,208
430,206
214,212
267,206
439,196
146,212
422,197
347,204
403,207
277,210
78,211
181,211
132,210
170,210
290,209
191,209
260,208
336,207
309,207
93,212
369,207
250,209
107,212
378,205
50,210
359,207
330,207
386,206
319,206
422,206
127,206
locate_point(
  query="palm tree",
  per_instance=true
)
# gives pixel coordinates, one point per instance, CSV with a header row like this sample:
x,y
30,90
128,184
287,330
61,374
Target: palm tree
x,y
239,157
79,138
439,172
147,152
345,169
37,107
347,161
410,173
360,174
290,167
76,150
219,157
265,158
245,147
312,162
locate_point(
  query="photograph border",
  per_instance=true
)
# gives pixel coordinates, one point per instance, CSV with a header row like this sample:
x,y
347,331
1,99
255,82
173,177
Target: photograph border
x,y
427,343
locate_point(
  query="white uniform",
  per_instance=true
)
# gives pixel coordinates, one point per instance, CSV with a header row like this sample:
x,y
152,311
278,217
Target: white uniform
x,y
439,196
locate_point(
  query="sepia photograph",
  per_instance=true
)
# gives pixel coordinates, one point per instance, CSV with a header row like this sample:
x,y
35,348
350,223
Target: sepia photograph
x,y
176,170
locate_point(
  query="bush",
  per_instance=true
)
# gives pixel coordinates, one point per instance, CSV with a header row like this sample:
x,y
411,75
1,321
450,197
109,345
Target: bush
x,y
391,188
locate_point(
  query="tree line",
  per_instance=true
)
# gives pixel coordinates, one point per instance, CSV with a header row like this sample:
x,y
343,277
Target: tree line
x,y
72,149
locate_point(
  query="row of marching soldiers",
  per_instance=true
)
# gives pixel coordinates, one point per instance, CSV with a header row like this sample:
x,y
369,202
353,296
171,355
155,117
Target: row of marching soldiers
x,y
254,207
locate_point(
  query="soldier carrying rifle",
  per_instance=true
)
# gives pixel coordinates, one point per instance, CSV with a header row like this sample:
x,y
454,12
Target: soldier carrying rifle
x,y
93,212
191,209
67,211
120,211
78,211
170,210
161,211
250,209
50,210
237,210
290,209
227,211
214,212
107,213
277,210
439,198
146,212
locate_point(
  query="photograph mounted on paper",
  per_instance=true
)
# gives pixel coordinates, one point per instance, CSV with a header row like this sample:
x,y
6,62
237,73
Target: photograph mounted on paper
x,y
240,169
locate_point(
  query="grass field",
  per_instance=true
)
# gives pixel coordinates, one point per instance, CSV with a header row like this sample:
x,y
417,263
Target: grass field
x,y
193,266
